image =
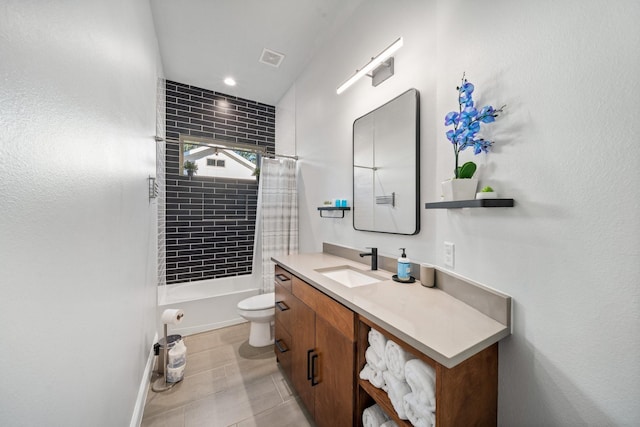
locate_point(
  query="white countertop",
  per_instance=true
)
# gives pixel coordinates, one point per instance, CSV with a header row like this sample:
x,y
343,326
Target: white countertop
x,y
430,320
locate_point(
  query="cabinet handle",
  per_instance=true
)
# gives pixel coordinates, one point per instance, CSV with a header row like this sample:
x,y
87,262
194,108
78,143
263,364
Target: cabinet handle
x,y
282,306
280,348
282,278
314,358
309,363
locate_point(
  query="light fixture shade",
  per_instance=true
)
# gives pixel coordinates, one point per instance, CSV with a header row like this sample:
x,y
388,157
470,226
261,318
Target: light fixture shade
x,y
371,65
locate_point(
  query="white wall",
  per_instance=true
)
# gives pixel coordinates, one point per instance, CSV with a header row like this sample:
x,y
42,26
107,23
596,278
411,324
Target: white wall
x,y
566,150
286,123
323,125
77,232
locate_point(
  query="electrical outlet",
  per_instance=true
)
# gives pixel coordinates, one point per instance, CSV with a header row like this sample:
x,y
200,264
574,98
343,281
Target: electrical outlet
x,y
449,254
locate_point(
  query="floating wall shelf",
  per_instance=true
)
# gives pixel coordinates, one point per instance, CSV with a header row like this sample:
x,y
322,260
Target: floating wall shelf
x,y
475,203
333,208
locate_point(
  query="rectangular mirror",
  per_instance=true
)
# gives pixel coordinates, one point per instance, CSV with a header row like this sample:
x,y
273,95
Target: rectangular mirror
x,y
386,167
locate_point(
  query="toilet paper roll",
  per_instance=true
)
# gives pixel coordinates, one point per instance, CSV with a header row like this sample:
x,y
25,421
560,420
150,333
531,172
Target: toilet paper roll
x,y
427,275
172,316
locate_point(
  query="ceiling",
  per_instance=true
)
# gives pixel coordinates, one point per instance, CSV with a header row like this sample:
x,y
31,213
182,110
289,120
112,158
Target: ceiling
x,y
204,41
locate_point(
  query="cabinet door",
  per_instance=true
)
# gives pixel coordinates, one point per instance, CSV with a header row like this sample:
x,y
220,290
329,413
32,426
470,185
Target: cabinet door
x,y
334,392
303,343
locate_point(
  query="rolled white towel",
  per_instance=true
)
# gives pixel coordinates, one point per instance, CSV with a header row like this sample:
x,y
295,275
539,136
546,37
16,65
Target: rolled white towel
x,y
413,405
389,423
377,379
374,376
396,391
395,358
425,422
374,360
417,413
373,416
366,372
422,380
377,341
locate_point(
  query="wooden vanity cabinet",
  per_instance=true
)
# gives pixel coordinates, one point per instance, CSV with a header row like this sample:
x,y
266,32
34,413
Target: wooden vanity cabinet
x,y
320,345
322,352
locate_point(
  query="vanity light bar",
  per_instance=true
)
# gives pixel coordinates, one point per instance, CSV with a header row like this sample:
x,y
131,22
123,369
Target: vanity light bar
x,y
371,65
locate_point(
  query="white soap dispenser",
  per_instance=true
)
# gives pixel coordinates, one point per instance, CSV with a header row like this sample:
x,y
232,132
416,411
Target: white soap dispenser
x,y
404,267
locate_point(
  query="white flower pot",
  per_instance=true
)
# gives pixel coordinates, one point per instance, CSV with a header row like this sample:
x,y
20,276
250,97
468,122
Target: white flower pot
x,y
459,189
487,195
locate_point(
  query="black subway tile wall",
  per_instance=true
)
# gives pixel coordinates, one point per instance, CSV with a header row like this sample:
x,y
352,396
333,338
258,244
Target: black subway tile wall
x,y
210,222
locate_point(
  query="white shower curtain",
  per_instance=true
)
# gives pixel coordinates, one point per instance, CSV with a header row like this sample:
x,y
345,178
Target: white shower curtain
x,y
278,214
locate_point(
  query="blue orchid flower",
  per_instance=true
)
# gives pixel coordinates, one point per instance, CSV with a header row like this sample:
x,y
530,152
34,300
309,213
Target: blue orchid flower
x,y
451,136
466,144
451,118
465,92
488,114
466,100
481,145
467,122
467,134
474,127
470,112
467,116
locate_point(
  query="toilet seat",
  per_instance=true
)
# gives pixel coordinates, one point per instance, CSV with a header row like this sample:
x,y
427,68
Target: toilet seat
x,y
258,302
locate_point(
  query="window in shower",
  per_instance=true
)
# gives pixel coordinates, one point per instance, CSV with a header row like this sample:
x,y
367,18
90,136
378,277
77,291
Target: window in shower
x,y
224,160
219,159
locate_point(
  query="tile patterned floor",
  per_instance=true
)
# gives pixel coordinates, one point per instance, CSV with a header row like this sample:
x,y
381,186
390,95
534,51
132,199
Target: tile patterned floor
x,y
227,383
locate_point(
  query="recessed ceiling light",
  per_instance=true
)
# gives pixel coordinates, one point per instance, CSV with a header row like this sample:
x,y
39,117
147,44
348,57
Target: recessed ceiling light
x,y
229,81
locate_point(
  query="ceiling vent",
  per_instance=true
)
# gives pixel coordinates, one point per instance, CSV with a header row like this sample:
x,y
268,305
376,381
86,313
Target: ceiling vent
x,y
271,57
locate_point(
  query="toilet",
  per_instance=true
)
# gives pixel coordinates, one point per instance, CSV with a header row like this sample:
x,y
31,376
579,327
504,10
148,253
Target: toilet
x,y
260,311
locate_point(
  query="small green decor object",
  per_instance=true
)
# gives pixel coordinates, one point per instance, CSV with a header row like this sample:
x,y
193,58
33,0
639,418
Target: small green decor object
x,y
487,193
466,124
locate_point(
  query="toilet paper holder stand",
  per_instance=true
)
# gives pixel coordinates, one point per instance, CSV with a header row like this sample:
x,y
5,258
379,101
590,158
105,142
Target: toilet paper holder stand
x,y
161,384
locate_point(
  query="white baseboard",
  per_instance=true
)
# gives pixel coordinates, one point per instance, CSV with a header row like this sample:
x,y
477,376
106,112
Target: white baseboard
x,y
138,410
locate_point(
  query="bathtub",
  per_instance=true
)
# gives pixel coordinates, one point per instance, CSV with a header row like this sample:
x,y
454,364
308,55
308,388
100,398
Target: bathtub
x,y
207,304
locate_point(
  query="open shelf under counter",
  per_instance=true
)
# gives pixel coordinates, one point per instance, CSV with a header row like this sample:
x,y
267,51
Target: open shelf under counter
x,y
466,394
382,399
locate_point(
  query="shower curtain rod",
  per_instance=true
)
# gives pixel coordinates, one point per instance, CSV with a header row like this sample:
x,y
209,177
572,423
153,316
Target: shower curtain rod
x,y
206,142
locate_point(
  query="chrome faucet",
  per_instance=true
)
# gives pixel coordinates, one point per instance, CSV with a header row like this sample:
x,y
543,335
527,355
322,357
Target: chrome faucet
x,y
374,257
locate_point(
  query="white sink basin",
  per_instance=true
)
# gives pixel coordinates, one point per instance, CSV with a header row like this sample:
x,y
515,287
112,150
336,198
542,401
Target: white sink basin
x,y
349,276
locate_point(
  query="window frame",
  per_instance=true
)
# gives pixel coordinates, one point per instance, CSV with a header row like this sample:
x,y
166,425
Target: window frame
x,y
215,143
